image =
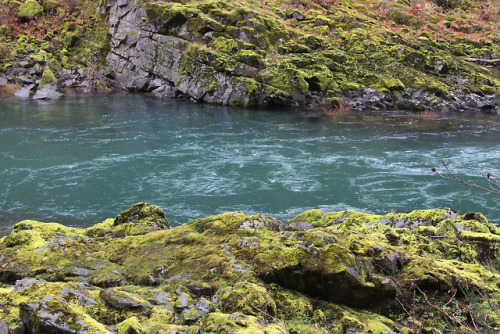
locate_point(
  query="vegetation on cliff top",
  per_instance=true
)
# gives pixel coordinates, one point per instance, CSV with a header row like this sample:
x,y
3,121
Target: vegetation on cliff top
x,y
340,272
315,46
344,45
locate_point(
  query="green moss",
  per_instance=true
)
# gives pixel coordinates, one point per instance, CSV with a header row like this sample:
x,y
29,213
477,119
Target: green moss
x,y
249,57
29,8
47,77
237,102
238,323
252,266
431,85
285,77
225,45
131,325
247,298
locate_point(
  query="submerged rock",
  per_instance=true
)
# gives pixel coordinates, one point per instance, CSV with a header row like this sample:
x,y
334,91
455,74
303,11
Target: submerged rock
x,y
337,272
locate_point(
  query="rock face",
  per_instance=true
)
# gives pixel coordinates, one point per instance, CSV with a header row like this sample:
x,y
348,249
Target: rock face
x,y
148,57
233,55
338,272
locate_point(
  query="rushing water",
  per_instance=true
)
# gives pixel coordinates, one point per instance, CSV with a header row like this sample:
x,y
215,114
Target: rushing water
x,y
86,158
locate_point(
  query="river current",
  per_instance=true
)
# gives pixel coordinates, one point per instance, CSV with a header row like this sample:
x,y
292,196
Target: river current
x,y
88,157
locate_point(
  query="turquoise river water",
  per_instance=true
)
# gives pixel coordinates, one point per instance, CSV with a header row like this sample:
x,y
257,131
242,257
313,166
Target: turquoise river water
x,y
88,157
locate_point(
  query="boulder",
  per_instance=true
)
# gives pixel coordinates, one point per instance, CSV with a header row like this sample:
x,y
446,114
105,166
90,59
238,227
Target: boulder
x,y
143,213
23,93
54,315
47,94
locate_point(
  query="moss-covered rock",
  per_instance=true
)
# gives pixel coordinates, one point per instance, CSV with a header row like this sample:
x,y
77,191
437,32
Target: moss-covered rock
x,y
323,272
48,77
29,8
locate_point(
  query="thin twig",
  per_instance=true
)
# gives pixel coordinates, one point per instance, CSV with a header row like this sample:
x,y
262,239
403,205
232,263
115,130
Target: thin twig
x,y
493,184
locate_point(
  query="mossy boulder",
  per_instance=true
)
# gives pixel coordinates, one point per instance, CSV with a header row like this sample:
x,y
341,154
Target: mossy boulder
x,y
48,77
28,9
343,271
140,213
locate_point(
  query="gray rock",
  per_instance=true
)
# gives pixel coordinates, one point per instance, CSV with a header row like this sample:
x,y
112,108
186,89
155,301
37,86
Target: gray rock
x,y
298,16
80,295
37,69
300,225
190,315
23,93
4,328
69,82
38,317
182,302
3,81
26,283
122,301
161,298
203,306
264,222
47,94
388,264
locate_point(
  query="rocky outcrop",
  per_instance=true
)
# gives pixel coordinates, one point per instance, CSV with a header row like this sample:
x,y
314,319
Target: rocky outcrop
x,y
149,57
233,55
247,53
338,272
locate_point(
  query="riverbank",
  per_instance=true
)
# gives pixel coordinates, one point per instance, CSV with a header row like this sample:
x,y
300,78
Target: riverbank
x,y
413,56
340,272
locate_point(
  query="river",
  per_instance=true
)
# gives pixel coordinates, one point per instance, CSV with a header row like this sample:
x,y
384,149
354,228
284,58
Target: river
x,y
85,158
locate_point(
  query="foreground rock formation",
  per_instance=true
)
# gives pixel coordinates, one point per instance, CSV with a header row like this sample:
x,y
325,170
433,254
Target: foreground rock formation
x,y
340,272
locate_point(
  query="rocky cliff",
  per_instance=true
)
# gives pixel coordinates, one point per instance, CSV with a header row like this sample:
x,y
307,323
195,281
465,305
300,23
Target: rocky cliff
x,y
370,55
342,272
244,53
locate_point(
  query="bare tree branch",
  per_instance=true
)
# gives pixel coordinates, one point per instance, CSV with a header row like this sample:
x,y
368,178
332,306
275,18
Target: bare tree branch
x,y
493,183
